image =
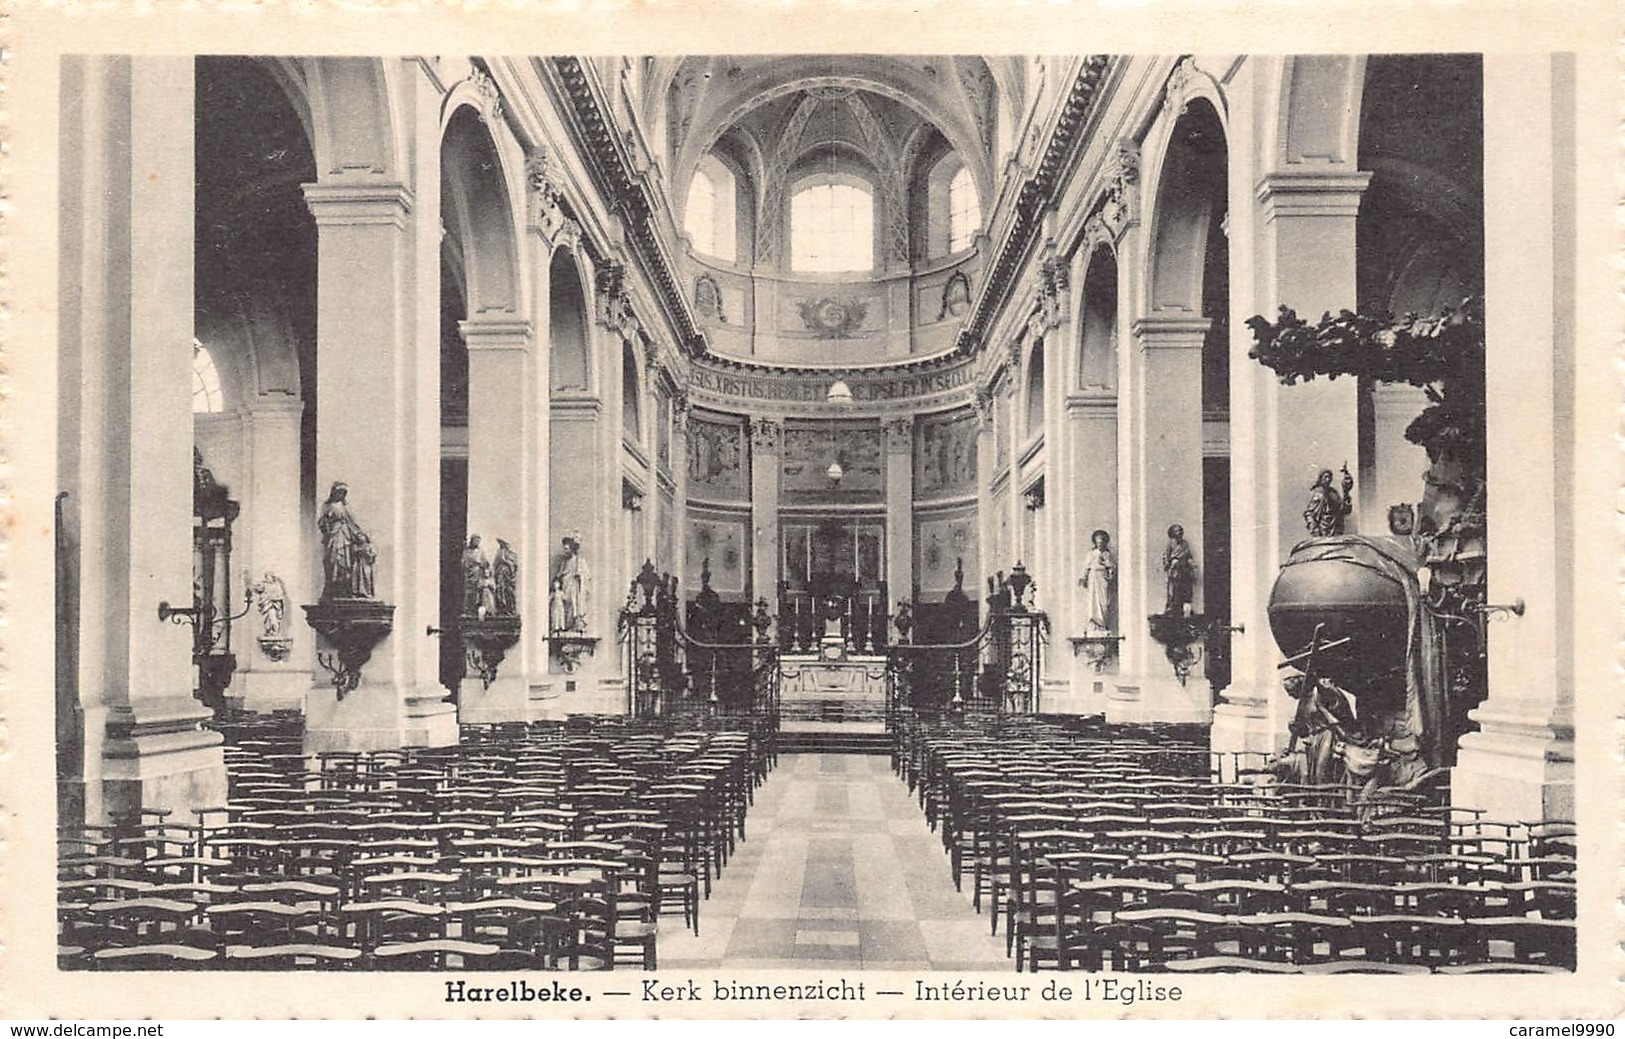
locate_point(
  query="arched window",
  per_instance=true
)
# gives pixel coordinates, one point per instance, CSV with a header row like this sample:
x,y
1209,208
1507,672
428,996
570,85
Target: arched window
x,y
964,210
832,226
206,396
708,216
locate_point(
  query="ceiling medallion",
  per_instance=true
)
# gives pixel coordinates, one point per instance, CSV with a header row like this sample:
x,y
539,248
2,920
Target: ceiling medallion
x,y
832,318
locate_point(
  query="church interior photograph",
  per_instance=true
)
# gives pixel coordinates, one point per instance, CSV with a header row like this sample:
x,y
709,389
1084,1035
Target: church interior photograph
x,y
937,512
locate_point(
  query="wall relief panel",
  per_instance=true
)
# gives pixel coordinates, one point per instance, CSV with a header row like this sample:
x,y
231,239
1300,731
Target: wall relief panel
x,y
945,454
809,450
941,542
716,459
721,541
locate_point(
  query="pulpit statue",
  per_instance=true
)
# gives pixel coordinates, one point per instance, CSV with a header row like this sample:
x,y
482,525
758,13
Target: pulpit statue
x,y
1179,567
1099,576
575,586
1327,511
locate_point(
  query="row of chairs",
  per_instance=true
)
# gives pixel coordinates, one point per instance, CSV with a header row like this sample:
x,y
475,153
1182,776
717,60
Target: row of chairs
x,y
544,846
1123,850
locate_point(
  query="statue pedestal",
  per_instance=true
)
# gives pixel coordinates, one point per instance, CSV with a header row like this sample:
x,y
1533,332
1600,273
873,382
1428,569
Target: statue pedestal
x,y
487,694
1156,699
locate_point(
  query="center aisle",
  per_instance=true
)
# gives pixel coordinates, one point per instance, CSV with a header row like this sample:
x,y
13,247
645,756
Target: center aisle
x,y
840,870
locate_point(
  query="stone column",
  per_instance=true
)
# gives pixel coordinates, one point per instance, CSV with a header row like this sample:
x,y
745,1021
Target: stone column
x,y
277,547
680,411
502,394
1292,243
1520,764
765,447
126,437
899,510
986,522
1163,477
378,429
1086,496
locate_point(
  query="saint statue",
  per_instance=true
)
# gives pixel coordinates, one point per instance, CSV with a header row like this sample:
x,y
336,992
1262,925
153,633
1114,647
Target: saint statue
x,y
1180,567
1327,510
1099,574
505,577
574,584
347,552
476,575
557,618
272,601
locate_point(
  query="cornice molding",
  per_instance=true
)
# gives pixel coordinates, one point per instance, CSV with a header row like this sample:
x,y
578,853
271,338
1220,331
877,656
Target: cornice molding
x,y
1039,192
625,188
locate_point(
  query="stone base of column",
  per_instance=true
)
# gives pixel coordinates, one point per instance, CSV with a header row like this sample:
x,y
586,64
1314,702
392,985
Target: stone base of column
x,y
265,691
429,720
606,696
1242,726
1138,701
157,757
544,703
368,718
508,699
1061,696
1515,772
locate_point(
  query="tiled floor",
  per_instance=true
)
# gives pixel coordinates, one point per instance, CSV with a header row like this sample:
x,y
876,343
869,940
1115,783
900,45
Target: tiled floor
x,y
839,870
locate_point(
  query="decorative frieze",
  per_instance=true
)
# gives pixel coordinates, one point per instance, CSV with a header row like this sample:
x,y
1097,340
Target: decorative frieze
x,y
759,383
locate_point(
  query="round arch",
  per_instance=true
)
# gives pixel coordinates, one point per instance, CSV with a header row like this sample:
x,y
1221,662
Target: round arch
x,y
569,324
1097,320
1034,388
354,128
1191,183
477,208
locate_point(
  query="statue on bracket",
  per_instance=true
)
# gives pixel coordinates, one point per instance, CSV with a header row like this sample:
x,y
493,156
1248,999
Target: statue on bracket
x,y
574,587
479,594
1099,576
1179,566
271,598
505,580
347,552
1327,511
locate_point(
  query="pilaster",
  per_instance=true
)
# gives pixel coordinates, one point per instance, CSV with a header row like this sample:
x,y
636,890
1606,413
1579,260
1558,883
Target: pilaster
x,y
1520,764
899,434
766,445
502,391
127,329
1292,236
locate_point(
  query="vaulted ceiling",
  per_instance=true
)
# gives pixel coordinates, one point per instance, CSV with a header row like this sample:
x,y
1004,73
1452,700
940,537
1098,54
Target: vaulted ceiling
x,y
884,105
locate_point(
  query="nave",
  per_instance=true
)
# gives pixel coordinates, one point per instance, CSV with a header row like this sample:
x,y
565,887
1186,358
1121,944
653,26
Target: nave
x,y
612,843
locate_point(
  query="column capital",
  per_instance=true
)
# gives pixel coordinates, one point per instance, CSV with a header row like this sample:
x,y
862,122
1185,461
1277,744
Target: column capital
x,y
344,204
1170,333
276,404
764,435
499,334
900,435
1289,193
